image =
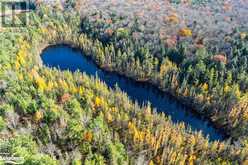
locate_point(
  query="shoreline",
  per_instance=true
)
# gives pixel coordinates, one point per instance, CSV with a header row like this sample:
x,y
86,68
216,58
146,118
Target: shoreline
x,y
178,99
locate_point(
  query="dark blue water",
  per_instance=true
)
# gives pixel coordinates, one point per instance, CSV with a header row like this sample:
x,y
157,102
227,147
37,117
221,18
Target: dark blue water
x,y
66,58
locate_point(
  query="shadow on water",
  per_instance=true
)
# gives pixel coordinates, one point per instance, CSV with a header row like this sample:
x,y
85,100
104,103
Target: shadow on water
x,y
67,58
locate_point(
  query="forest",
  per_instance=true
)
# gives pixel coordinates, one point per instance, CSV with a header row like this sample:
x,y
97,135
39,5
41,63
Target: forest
x,y
49,116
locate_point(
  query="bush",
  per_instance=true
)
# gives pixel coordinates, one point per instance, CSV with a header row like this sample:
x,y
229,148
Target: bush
x,y
117,153
2,123
73,107
95,159
77,162
5,108
75,130
51,110
122,33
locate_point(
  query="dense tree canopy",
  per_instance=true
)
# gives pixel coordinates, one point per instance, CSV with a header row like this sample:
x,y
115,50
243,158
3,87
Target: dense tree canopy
x,y
52,117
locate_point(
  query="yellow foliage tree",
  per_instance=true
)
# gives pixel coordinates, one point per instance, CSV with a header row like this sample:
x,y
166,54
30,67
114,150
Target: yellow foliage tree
x,y
88,136
38,116
166,66
22,53
151,163
185,32
192,159
226,88
50,86
173,19
243,35
40,83
109,117
98,102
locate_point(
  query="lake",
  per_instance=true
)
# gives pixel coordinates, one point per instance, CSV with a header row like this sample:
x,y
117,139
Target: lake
x,y
64,57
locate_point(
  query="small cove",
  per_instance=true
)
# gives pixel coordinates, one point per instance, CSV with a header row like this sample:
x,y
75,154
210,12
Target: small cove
x,y
64,57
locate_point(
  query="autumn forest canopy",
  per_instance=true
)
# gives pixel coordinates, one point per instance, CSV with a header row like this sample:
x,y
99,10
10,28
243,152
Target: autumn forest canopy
x,y
195,51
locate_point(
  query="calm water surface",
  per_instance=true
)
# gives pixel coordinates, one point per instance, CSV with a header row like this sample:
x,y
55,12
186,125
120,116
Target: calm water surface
x,y
66,58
